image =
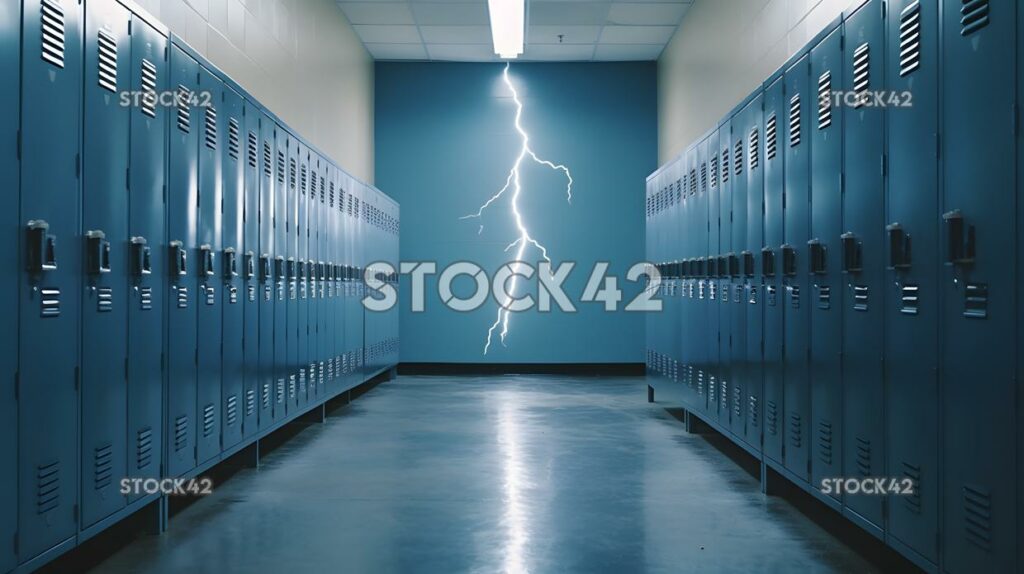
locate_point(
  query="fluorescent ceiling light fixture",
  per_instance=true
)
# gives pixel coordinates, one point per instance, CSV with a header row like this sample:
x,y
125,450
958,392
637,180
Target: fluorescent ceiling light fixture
x,y
508,26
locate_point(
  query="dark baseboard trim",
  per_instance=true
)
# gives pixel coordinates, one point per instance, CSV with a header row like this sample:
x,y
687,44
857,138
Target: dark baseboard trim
x,y
579,369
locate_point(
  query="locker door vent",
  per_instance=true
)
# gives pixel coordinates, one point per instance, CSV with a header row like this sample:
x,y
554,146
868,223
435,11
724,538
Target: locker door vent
x,y
268,160
251,293
912,502
752,411
796,430
292,386
794,121
304,181
825,442
280,166
331,197
252,152
861,74
824,297
723,397
144,448
250,402
737,401
211,295
978,516
182,102
910,38
146,298
909,299
209,418
265,396
714,172
725,165
794,296
47,487
279,395
825,100
711,388
771,417
182,297
292,173
180,432
693,182
703,177
104,299
50,303
974,16
52,22
312,184
860,297
737,158
148,80
103,466
754,149
771,137
107,60
863,456
976,301
231,410
210,133
233,138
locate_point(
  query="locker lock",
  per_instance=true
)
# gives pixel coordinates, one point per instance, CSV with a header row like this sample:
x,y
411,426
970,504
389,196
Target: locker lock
x,y
97,256
250,264
788,260
899,247
291,268
734,265
141,261
816,257
206,260
961,239
279,267
179,258
266,270
748,263
767,262
321,268
42,247
328,271
311,269
230,263
851,253
300,270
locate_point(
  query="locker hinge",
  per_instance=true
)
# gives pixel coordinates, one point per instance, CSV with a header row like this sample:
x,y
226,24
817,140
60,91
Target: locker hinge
x,y
783,200
128,178
161,362
884,8
1016,119
76,378
17,385
126,369
883,165
167,52
222,205
842,41
938,146
196,357
165,193
78,165
19,144
129,27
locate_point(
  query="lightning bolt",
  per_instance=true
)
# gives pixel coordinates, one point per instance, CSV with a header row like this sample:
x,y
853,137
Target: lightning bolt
x,y
524,239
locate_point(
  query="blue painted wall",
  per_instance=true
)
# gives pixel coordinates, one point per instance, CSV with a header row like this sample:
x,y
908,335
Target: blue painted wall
x,y
445,142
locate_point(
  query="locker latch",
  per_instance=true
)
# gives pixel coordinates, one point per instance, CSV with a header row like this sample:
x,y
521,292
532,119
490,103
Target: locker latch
x,y
206,260
42,247
712,270
179,258
788,260
250,264
816,257
899,246
141,261
279,267
301,269
700,267
851,253
230,263
768,262
961,239
723,266
748,263
97,257
291,268
734,265
266,271
311,269
679,269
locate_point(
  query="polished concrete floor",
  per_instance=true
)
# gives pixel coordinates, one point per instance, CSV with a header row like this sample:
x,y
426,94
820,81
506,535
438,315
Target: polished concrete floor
x,y
492,474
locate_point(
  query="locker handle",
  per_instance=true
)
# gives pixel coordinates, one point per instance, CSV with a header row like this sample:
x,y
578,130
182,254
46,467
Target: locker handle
x,y
700,272
768,262
97,252
816,256
899,247
961,239
291,268
300,269
279,267
230,263
788,260
712,270
679,269
734,265
748,263
42,247
250,264
266,270
179,258
851,253
723,266
322,269
311,269
141,260
206,260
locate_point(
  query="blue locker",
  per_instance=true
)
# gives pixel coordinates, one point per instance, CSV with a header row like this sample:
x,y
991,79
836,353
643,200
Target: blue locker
x,y
793,266
268,277
699,221
752,403
252,282
912,259
360,213
823,262
312,302
980,484
232,156
738,383
776,111
725,261
317,314
104,282
281,267
292,255
863,258
212,125
182,264
302,277
710,224
10,53
50,301
329,348
147,233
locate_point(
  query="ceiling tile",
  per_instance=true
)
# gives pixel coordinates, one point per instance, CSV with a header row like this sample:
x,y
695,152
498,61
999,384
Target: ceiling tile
x,y
559,52
388,34
622,52
397,51
377,12
637,34
570,34
461,52
569,13
646,14
449,14
456,34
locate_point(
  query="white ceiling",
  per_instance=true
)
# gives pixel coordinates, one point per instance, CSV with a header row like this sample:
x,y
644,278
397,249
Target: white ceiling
x,y
558,30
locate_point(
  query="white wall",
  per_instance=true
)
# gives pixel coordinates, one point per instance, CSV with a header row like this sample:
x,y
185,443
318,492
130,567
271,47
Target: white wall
x,y
300,58
722,51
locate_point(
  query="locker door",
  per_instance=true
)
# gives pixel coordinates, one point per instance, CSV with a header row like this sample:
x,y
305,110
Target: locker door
x,y
292,318
51,274
775,121
863,258
725,307
792,264
302,278
182,265
753,133
249,270
980,484
147,259
911,311
268,291
738,383
344,245
10,46
316,364
104,282
211,120
698,220
232,268
329,350
824,262
282,267
360,210
709,216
